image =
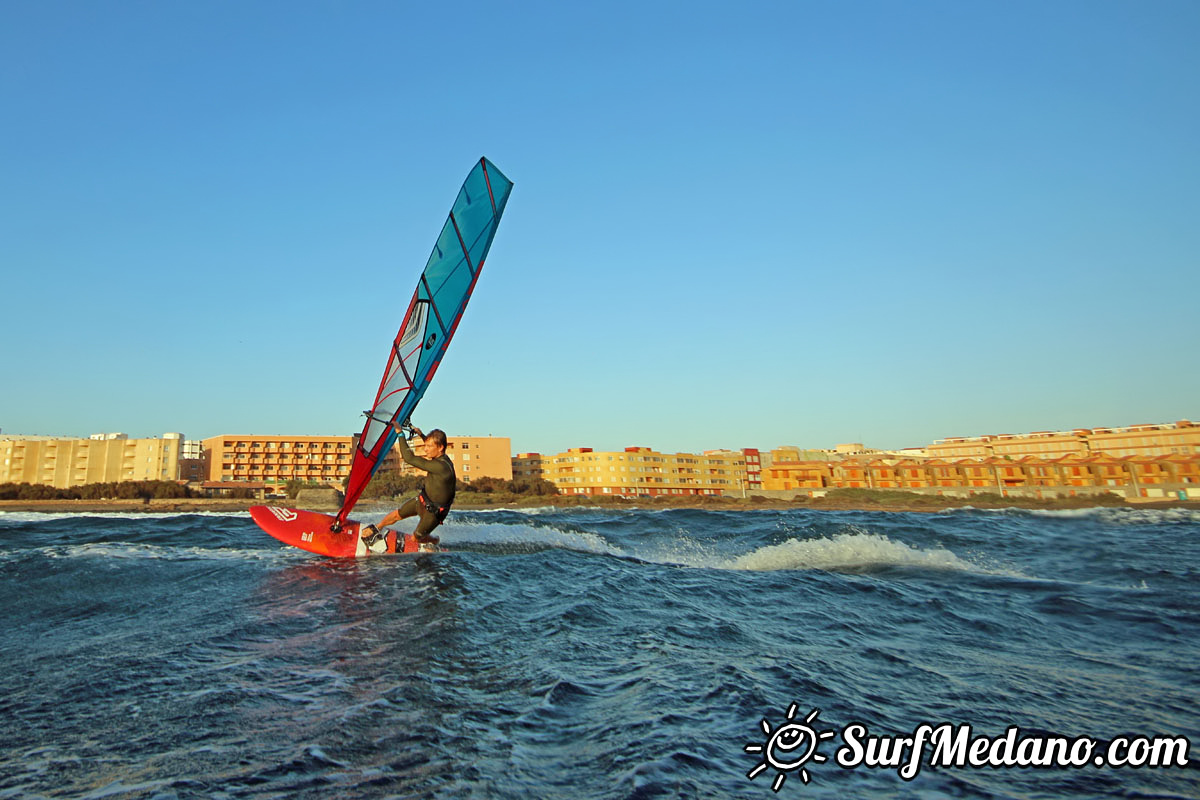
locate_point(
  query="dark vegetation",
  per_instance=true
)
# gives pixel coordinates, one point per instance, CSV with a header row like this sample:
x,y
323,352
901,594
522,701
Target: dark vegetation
x,y
536,487
494,492
899,499
124,490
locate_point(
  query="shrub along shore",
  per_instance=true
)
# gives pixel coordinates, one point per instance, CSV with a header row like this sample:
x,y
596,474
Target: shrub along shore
x,y
835,500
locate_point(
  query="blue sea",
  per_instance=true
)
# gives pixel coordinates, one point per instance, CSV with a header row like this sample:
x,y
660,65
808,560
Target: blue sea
x,y
594,653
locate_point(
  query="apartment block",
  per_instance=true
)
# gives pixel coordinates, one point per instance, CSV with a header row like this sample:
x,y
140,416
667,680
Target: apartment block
x,y
1181,438
1159,439
1145,476
278,459
191,462
753,468
528,467
637,471
63,462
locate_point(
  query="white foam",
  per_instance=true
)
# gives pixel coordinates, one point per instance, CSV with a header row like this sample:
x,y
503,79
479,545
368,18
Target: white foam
x,y
855,549
534,511
1147,516
118,550
455,532
1104,514
848,551
49,516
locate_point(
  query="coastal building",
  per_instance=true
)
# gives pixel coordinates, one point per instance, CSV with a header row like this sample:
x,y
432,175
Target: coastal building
x,y
191,461
527,467
1174,475
1158,439
276,460
473,456
753,468
63,462
790,455
750,460
637,472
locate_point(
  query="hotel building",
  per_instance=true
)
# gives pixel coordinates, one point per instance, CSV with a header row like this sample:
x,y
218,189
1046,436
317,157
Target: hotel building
x,y
63,462
278,459
326,459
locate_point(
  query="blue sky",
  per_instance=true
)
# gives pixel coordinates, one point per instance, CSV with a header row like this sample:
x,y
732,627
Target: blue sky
x,y
734,224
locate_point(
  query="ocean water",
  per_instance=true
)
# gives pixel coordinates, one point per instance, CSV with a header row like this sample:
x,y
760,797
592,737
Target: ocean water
x,y
593,653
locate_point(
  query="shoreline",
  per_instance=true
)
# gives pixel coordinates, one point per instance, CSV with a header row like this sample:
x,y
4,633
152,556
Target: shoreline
x,y
917,503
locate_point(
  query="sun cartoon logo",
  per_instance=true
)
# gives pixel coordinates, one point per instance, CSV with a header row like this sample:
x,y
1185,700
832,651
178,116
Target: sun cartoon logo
x,y
789,747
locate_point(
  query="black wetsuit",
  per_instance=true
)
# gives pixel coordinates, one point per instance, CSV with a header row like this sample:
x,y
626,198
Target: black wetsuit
x,y
435,499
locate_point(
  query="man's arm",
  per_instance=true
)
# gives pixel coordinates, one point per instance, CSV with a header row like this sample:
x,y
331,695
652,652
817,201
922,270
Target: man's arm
x,y
415,460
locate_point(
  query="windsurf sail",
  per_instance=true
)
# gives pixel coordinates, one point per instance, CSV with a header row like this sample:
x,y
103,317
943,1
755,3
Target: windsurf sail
x,y
433,315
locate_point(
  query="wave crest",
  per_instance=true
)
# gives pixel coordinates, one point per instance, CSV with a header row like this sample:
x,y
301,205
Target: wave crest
x,y
847,551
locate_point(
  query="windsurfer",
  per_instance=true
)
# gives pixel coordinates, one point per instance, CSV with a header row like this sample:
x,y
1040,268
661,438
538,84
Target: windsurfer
x,y
436,496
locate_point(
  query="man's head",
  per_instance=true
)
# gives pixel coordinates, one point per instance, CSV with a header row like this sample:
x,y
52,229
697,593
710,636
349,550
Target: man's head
x,y
435,443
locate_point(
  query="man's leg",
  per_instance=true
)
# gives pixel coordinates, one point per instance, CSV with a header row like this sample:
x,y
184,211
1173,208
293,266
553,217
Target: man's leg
x,y
425,527
409,509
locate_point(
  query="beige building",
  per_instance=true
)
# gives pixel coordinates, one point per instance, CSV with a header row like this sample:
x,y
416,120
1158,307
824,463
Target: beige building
x,y
1160,439
637,471
528,467
1181,438
752,462
789,454
1171,476
278,459
63,462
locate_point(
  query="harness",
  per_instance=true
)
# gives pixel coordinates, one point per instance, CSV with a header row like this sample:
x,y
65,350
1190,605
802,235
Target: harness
x,y
433,508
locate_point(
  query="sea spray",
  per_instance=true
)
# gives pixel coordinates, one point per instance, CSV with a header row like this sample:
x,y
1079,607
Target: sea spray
x,y
847,551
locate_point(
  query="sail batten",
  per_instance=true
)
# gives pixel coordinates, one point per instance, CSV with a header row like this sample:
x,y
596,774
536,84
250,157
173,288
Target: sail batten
x,y
445,286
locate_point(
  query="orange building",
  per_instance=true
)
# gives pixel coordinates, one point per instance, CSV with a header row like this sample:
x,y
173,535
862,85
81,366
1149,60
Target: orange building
x,y
473,457
279,459
850,474
785,475
881,474
1184,469
912,474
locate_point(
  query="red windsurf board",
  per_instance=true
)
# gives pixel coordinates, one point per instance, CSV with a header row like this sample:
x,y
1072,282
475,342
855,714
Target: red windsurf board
x,y
309,530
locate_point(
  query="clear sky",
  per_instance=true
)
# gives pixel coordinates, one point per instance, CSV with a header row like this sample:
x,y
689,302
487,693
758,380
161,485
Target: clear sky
x,y
734,224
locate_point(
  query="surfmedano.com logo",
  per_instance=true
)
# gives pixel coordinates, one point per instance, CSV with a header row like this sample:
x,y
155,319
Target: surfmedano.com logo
x,y
791,746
